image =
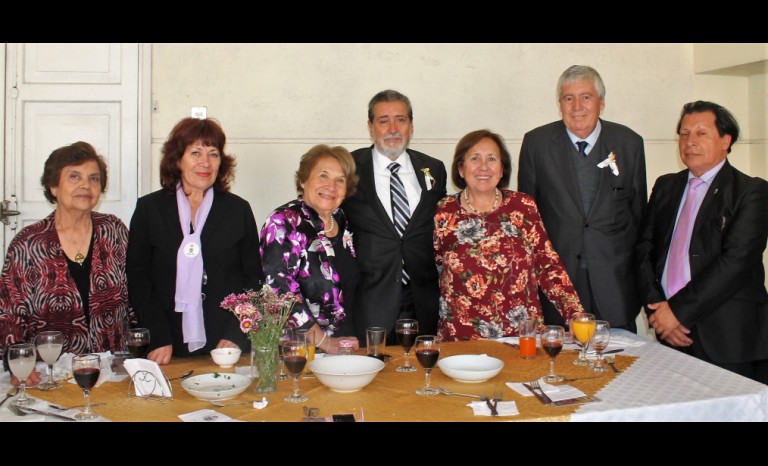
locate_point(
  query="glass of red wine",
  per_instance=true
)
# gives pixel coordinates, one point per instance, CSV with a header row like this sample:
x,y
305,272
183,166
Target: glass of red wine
x,y
427,352
552,342
295,358
138,342
86,368
406,331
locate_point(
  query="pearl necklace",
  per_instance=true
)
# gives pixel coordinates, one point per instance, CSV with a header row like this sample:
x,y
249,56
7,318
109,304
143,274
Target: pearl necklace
x,y
333,225
495,203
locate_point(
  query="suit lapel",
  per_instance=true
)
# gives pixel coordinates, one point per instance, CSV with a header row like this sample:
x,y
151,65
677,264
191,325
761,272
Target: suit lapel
x,y
367,185
215,216
560,156
713,197
670,199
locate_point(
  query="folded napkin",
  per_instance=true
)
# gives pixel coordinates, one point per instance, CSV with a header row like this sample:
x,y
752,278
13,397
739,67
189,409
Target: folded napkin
x,y
554,392
505,408
619,342
148,378
515,341
206,415
64,366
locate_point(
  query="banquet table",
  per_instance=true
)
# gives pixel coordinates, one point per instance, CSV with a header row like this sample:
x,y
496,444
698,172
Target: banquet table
x,y
656,383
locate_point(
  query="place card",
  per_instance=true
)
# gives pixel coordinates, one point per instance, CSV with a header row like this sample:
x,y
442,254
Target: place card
x,y
148,378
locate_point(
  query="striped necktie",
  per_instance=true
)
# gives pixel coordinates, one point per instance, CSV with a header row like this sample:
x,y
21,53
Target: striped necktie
x,y
401,212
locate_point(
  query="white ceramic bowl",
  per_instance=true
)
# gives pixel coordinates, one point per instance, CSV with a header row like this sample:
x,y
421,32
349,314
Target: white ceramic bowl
x,y
226,357
215,386
470,368
347,373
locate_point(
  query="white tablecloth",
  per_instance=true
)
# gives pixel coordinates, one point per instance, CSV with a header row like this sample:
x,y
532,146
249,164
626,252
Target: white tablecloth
x,y
666,385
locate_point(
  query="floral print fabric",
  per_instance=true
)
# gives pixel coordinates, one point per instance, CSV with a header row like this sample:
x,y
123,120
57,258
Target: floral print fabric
x,y
298,257
491,266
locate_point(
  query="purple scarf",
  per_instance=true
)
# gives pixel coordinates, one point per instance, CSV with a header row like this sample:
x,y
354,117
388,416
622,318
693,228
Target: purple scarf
x,y
189,270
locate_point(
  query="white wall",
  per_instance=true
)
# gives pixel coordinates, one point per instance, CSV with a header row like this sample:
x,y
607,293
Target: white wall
x,y
277,100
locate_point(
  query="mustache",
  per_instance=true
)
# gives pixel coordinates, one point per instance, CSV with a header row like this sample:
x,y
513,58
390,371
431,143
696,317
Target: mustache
x,y
393,136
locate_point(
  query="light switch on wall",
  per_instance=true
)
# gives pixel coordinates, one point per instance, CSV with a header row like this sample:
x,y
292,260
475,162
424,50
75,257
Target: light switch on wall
x,y
200,112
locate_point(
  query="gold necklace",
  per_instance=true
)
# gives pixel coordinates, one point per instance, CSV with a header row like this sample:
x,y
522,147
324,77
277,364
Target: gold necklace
x,y
495,203
79,257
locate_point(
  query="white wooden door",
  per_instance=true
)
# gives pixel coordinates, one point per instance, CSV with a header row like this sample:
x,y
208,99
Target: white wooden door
x,y
57,94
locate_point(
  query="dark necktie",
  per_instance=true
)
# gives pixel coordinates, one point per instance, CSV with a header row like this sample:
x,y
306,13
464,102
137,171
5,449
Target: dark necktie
x,y
582,147
401,213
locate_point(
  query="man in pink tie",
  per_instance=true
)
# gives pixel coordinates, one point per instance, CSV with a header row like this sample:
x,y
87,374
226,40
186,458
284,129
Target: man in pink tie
x,y
700,250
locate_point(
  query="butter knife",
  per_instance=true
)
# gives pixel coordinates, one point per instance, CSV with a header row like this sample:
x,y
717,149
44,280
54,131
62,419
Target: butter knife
x,y
45,413
542,397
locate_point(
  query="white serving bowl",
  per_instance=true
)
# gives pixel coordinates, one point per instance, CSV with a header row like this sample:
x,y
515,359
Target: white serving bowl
x,y
226,357
216,386
347,373
470,368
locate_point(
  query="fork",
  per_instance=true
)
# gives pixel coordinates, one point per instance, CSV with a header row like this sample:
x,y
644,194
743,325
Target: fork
x,y
497,396
449,392
491,406
536,386
221,404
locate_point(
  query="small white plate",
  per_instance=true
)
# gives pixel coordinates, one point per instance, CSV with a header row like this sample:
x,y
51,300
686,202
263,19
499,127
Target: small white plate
x,y
216,386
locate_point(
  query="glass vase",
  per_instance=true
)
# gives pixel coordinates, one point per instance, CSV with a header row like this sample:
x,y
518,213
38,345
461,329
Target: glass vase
x,y
264,361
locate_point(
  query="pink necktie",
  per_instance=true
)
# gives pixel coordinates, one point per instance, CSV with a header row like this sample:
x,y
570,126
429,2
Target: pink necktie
x,y
678,252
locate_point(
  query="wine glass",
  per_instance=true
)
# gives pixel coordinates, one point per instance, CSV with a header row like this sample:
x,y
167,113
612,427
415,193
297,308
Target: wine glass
x,y
427,352
49,345
406,331
21,358
295,358
552,342
86,369
138,342
600,342
582,328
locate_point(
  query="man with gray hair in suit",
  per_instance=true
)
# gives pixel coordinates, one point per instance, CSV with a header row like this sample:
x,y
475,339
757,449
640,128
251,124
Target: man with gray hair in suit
x,y
588,177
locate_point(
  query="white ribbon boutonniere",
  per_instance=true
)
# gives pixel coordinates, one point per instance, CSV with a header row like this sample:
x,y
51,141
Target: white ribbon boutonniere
x,y
610,162
428,178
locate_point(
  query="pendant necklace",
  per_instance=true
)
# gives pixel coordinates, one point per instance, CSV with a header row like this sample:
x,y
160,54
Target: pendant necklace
x,y
495,203
79,257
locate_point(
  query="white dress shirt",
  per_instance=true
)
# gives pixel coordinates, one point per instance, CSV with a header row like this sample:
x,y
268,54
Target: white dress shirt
x,y
591,139
382,176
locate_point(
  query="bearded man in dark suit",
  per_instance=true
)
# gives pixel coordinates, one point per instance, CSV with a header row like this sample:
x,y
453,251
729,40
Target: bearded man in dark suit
x,y
588,178
393,235
700,251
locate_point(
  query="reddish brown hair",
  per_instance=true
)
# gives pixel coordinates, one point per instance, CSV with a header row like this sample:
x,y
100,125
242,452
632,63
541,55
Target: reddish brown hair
x,y
186,132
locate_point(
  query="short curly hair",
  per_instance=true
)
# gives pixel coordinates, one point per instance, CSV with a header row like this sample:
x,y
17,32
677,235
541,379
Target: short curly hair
x,y
310,159
67,156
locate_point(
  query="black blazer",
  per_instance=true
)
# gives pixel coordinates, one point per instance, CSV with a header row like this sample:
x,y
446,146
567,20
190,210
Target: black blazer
x,y
606,234
380,250
725,301
230,244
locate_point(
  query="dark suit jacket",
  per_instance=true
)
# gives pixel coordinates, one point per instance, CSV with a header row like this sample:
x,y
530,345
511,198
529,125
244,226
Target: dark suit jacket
x,y
380,250
230,245
725,301
605,236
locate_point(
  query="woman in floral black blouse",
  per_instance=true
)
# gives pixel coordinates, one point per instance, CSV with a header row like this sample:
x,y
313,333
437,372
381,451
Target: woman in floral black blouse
x,y
307,249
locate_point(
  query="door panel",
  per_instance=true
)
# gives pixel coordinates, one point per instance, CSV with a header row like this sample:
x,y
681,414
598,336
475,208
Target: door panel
x,y
57,94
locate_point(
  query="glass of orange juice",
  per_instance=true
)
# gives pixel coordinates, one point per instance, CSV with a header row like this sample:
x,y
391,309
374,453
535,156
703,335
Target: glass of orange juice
x,y
527,334
583,329
306,335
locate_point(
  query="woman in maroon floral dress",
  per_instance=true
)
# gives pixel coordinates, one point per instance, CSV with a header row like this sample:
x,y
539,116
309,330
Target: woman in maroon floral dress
x,y
67,271
493,249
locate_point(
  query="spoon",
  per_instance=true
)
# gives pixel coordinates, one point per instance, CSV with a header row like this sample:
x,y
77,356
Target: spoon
x,y
11,392
609,360
184,375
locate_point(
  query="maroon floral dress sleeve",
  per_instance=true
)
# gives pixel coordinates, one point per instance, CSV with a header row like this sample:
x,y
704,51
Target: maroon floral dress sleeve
x,y
491,267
